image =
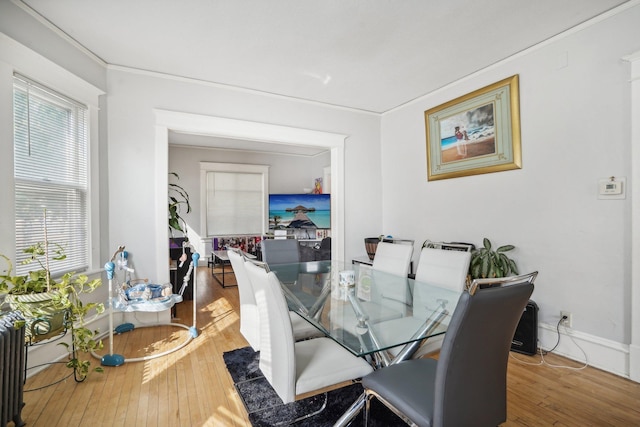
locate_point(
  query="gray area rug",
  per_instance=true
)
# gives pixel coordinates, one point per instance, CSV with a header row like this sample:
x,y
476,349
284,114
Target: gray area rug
x,y
265,408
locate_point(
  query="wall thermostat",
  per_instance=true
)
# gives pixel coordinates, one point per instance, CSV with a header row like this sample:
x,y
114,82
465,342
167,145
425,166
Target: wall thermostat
x,y
611,188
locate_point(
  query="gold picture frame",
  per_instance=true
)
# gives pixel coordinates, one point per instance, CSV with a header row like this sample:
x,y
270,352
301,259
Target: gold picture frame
x,y
476,133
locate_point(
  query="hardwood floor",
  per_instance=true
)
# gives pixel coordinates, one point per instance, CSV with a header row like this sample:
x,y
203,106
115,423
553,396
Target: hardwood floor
x,y
191,387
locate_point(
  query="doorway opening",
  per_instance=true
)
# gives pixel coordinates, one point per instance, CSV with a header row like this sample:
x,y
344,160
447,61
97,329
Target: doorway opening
x,y
167,121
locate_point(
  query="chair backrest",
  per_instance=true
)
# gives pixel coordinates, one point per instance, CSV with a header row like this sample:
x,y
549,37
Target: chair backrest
x,y
444,268
325,244
277,251
277,353
393,258
249,320
471,375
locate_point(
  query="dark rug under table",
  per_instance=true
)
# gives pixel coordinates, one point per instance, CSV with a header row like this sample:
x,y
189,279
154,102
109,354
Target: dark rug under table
x,y
265,408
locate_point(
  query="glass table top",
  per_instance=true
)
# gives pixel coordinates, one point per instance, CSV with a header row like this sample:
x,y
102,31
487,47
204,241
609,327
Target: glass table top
x,y
376,312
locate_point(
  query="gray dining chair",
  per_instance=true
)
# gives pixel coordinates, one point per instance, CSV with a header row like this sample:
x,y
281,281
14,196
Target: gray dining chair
x,y
294,368
277,252
280,251
249,318
467,385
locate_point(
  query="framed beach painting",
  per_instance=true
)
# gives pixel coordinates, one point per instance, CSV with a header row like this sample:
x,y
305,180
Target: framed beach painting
x,y
476,133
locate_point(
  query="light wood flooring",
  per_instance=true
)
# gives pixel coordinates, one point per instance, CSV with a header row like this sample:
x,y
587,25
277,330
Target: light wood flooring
x,y
191,387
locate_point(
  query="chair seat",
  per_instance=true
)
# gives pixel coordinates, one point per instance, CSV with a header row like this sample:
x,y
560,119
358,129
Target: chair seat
x,y
391,330
322,361
302,329
409,387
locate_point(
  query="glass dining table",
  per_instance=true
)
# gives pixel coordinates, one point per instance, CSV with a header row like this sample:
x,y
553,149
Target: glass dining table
x,y
376,315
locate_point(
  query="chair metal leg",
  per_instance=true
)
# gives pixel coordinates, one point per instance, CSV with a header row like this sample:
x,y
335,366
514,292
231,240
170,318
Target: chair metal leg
x,y
353,410
367,407
304,417
369,394
283,423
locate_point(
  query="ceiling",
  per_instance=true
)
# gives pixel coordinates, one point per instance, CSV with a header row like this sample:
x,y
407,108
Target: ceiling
x,y
193,140
371,55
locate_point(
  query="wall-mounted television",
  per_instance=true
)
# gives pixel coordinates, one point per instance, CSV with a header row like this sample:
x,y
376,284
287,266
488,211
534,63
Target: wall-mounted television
x,y
299,211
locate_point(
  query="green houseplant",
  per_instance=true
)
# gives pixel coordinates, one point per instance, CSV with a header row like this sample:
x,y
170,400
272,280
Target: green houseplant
x,y
489,263
178,199
51,305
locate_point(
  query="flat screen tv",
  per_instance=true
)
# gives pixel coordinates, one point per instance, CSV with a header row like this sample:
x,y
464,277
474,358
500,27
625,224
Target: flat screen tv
x,y
299,211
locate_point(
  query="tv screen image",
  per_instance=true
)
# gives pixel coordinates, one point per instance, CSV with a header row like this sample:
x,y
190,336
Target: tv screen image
x,y
299,211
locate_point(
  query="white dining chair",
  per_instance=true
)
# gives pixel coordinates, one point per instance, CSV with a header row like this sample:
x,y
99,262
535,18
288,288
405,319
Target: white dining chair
x,y
444,268
393,258
295,368
249,318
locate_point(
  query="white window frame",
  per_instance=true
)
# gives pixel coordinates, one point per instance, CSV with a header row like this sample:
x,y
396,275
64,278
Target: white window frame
x,y
206,167
16,58
55,179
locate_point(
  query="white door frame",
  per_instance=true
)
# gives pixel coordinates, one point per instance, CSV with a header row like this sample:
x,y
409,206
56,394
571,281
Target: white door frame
x,y
246,130
634,346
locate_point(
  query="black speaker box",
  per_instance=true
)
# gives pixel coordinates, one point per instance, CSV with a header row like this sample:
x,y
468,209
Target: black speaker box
x,y
525,340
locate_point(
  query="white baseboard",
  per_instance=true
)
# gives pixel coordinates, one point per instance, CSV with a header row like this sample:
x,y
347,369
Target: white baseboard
x,y
634,366
610,356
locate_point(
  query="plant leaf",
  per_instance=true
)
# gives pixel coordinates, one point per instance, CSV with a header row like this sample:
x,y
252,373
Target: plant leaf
x,y
485,267
513,266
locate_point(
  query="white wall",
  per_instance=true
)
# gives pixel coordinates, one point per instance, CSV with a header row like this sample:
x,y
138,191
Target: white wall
x,y
132,151
575,123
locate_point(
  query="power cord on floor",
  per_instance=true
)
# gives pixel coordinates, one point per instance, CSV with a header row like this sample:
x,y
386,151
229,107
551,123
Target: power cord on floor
x,y
543,353
558,340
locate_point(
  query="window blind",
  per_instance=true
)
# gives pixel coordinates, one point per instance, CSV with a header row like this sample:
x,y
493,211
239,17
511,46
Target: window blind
x,y
235,203
50,172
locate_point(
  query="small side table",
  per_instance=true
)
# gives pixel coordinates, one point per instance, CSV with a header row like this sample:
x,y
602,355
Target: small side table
x,y
222,259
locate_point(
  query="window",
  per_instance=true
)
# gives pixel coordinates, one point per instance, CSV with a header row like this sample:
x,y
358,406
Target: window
x,y
50,172
235,198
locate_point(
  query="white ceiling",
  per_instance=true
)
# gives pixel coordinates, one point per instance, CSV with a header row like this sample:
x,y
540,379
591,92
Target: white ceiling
x,y
368,54
193,140
372,55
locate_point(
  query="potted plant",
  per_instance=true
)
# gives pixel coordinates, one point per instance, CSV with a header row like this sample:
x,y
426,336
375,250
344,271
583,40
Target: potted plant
x,y
178,198
489,263
51,305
